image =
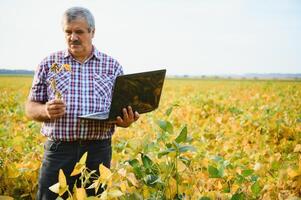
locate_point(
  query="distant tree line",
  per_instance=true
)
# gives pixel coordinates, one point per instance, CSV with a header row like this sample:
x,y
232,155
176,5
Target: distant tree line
x,y
16,71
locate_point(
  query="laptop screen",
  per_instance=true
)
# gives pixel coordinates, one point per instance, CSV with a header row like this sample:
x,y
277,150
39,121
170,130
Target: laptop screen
x,y
141,91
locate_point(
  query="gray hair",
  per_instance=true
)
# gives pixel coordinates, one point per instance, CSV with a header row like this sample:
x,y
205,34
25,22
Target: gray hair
x,y
78,12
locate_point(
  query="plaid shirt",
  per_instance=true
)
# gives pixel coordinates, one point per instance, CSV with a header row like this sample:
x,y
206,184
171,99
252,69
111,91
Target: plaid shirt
x,y
87,88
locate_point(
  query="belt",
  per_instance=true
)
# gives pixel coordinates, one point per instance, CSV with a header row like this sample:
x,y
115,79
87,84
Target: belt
x,y
80,142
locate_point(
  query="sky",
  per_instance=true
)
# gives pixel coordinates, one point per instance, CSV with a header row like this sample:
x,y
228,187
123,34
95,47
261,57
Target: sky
x,y
186,37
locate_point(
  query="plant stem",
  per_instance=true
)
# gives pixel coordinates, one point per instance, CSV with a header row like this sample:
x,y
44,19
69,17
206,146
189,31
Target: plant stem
x,y
177,175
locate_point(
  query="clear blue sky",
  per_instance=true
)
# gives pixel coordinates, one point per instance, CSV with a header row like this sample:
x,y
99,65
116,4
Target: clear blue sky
x,y
192,37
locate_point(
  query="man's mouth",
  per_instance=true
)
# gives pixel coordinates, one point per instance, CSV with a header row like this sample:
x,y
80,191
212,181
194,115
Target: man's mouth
x,y
75,43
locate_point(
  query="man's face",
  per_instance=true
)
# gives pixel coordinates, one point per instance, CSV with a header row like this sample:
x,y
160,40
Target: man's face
x,y
78,37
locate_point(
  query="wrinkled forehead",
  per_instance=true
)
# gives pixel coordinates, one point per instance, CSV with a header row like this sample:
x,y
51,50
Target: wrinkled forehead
x,y
68,20
78,23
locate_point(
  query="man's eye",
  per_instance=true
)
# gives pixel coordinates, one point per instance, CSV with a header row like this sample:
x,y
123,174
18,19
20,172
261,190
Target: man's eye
x,y
79,32
68,32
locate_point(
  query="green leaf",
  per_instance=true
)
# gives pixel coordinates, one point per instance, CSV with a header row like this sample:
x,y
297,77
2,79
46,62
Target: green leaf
x,y
176,145
213,172
221,171
186,148
134,163
254,178
168,111
204,198
182,136
226,164
238,196
247,172
168,145
179,197
275,165
240,179
135,196
121,145
256,188
138,172
150,147
165,126
218,159
136,168
151,180
149,165
185,160
165,152
226,189
147,162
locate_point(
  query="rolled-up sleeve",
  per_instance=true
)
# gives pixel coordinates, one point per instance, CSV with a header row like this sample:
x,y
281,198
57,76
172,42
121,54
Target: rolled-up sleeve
x,y
38,91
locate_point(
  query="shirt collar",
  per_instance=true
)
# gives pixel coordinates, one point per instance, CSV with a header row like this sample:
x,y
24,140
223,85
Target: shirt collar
x,y
95,53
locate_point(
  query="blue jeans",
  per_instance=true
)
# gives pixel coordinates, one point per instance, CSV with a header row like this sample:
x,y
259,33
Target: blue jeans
x,y
64,155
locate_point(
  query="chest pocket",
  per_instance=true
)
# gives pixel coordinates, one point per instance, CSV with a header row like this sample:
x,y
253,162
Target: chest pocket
x,y
61,83
103,85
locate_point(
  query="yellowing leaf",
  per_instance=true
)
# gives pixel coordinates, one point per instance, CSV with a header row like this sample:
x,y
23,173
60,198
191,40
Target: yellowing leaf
x,y
62,190
172,185
293,173
12,171
219,120
131,177
81,194
83,158
104,195
219,185
92,198
17,143
172,154
95,185
62,179
131,189
146,193
6,198
297,148
77,169
257,166
181,166
204,162
234,188
105,173
123,186
54,68
79,166
114,193
134,143
60,187
122,172
58,95
55,188
67,67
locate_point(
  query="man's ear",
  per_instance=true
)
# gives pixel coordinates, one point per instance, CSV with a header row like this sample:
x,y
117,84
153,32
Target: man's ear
x,y
93,32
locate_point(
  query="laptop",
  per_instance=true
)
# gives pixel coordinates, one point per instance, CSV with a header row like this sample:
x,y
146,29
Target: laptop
x,y
141,91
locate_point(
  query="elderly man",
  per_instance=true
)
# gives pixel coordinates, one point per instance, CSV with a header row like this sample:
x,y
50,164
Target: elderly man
x,y
68,84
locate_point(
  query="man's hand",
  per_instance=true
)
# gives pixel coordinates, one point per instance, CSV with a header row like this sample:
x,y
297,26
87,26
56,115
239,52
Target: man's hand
x,y
128,117
55,108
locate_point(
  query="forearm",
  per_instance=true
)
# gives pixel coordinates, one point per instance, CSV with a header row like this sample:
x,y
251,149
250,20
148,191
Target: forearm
x,y
36,111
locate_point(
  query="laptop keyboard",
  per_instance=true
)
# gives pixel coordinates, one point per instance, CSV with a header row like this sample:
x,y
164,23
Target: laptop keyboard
x,y
101,115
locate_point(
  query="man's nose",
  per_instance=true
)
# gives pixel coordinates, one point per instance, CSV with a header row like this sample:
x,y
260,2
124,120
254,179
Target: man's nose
x,y
73,37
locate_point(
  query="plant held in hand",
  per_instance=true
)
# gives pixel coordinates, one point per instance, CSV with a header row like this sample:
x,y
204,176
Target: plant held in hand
x,y
55,68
